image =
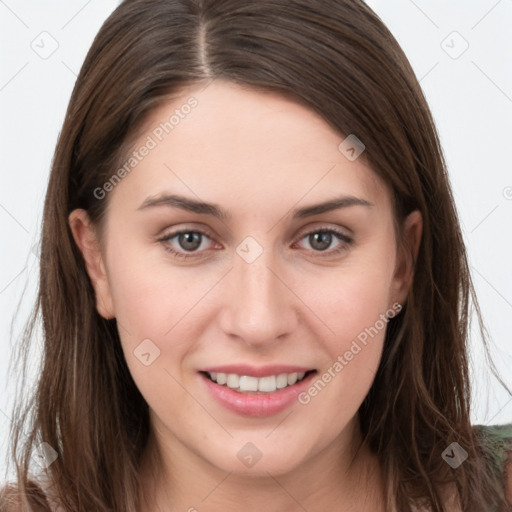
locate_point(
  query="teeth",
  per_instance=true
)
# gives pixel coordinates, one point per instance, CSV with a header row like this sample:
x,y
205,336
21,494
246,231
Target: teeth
x,y
282,381
245,383
233,381
267,384
248,383
292,379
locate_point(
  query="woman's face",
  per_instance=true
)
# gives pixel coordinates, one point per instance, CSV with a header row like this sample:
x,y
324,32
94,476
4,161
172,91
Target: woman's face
x,y
264,285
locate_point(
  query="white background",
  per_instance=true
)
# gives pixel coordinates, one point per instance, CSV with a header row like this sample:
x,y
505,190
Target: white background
x,y
470,94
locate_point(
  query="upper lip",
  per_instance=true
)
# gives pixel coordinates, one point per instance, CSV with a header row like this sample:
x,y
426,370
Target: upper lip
x,y
254,371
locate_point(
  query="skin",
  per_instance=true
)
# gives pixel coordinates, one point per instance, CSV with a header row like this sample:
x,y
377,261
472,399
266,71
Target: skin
x,y
258,156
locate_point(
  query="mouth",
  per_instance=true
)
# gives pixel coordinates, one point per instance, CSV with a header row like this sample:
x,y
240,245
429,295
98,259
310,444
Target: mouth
x,y
250,385
256,391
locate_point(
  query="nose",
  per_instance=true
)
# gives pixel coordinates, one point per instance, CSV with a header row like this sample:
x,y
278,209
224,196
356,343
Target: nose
x,y
259,308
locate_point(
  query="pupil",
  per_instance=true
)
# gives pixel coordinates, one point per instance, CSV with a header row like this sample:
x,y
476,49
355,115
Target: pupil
x,y
320,241
190,241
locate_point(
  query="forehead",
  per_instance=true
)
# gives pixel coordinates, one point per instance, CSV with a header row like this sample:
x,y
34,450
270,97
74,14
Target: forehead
x,y
226,141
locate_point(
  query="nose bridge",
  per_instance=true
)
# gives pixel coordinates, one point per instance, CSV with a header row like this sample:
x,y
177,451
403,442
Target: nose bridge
x,y
260,308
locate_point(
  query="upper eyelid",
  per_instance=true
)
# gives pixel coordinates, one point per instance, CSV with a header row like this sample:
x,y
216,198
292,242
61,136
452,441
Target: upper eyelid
x,y
303,232
324,227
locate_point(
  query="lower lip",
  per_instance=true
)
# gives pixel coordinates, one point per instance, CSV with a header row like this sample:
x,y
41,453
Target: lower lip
x,y
261,405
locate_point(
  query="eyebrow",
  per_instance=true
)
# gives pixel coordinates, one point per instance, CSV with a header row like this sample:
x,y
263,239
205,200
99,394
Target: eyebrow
x,y
200,207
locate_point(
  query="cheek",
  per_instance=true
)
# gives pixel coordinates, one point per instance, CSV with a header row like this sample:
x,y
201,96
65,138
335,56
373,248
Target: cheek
x,y
349,300
358,317
158,309
357,314
149,295
360,314
151,306
353,303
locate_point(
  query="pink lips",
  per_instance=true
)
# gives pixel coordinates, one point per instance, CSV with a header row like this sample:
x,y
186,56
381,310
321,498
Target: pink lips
x,y
256,405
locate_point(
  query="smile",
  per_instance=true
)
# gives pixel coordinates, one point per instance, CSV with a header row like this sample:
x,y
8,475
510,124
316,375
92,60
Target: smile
x,y
256,392
248,384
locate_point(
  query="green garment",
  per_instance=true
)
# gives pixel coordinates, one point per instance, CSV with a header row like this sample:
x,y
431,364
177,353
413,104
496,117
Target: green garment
x,y
497,440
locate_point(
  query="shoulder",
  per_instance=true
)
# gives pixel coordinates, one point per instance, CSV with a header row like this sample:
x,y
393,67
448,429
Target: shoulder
x,y
496,441
508,478
10,498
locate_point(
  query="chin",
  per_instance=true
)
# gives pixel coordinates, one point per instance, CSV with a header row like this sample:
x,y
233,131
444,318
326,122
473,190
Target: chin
x,y
259,459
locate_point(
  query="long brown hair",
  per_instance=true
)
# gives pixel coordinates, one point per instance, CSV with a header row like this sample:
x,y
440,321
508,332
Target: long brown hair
x,y
339,59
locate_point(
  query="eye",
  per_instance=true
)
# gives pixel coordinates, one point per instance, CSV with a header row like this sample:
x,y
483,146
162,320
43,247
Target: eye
x,y
321,239
187,243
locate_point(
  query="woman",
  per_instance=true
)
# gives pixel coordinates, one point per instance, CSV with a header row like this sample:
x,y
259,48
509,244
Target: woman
x,y
254,287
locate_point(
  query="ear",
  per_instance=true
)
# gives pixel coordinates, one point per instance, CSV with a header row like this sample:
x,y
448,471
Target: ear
x,y
85,236
407,255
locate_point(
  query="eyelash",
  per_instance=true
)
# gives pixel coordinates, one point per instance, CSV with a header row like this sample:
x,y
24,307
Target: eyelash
x,y
346,241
